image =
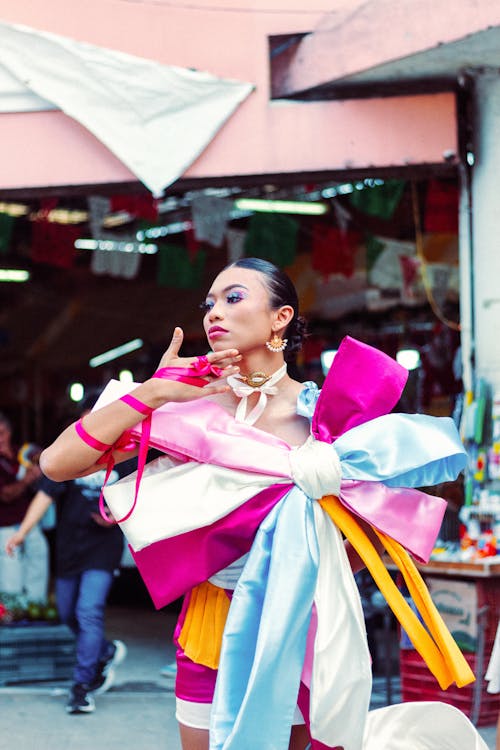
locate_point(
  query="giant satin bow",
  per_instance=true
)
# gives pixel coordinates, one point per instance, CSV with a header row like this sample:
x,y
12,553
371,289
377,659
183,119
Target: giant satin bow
x,y
382,456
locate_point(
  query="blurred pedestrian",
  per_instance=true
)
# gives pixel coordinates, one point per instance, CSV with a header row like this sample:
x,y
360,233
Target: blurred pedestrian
x,y
88,552
26,572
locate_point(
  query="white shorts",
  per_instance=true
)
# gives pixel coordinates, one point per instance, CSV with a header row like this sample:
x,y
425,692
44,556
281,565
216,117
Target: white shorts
x,y
197,715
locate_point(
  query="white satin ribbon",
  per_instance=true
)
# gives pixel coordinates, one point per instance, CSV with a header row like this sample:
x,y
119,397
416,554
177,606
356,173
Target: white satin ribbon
x,y
243,391
341,674
166,514
315,468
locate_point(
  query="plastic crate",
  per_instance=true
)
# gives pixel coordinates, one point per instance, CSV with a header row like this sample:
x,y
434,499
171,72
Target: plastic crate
x,y
418,684
34,652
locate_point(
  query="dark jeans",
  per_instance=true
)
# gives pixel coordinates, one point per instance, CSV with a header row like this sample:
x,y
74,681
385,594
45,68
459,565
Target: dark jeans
x,y
81,601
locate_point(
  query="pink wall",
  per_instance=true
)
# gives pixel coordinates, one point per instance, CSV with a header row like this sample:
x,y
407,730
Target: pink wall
x,y
261,137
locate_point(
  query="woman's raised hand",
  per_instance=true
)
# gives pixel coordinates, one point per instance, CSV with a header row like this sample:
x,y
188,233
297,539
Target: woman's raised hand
x,y
224,360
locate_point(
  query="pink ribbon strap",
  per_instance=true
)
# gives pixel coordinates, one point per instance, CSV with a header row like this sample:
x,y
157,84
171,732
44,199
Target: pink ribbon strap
x,y
192,375
89,440
182,374
139,406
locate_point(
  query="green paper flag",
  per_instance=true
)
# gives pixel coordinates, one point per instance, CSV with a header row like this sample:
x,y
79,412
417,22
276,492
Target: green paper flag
x,y
374,247
272,237
175,268
381,200
6,225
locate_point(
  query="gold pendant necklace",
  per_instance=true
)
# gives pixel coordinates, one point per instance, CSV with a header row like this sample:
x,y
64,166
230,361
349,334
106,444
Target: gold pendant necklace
x,y
255,379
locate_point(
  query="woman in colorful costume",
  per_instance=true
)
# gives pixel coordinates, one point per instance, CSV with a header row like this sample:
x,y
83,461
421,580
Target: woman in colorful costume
x,y
233,503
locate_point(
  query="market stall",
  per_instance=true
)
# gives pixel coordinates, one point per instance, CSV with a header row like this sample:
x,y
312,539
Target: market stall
x,y
468,597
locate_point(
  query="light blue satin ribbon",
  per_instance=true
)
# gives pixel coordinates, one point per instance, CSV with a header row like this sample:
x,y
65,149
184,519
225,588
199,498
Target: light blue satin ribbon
x,y
402,450
265,635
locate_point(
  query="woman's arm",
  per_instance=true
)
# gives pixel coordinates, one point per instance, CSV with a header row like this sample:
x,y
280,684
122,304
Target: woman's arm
x,y
69,457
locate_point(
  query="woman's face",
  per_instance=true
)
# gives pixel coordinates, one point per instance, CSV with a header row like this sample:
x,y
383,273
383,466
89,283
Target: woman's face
x,y
237,311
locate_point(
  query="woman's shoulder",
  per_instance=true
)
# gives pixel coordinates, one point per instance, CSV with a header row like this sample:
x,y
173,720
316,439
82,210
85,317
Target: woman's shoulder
x,y
307,398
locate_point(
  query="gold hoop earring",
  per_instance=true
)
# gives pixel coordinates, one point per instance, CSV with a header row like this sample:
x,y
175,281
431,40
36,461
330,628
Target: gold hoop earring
x,y
276,344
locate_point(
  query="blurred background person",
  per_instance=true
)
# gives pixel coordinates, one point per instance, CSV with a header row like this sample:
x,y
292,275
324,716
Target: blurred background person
x,y
26,571
88,550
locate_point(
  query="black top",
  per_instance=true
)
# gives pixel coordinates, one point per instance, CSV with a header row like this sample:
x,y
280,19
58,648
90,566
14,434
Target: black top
x,y
81,543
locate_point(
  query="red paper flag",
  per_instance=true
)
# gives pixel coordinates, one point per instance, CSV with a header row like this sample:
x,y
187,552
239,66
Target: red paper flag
x,y
53,243
334,250
441,207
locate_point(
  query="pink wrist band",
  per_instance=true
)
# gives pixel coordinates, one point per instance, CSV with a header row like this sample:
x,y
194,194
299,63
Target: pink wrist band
x,y
139,406
182,374
89,440
192,375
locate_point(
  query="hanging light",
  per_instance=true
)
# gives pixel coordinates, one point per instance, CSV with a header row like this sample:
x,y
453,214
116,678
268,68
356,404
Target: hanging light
x,y
76,391
327,358
409,358
14,274
118,351
125,376
281,207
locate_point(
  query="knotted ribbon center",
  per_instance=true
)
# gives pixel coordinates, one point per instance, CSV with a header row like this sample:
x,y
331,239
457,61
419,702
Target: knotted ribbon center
x,y
315,468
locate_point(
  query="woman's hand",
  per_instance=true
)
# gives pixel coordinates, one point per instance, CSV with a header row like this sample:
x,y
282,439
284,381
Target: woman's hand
x,y
14,541
225,360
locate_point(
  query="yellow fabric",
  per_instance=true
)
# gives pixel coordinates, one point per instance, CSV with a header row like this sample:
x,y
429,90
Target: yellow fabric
x,y
201,634
437,648
460,669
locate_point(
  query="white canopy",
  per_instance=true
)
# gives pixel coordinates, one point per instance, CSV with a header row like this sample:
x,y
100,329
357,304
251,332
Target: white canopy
x,y
155,118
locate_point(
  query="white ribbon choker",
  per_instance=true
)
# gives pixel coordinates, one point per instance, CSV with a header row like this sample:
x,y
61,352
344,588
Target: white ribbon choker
x,y
255,383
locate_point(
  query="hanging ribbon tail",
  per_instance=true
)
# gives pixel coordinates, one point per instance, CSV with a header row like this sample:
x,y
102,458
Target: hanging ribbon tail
x,y
337,667
459,668
265,635
445,661
363,383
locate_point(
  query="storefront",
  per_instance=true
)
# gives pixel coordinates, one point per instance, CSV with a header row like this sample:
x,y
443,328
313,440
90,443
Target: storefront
x,y
380,242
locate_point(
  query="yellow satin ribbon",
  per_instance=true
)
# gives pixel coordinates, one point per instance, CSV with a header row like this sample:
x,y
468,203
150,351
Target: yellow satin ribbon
x,y
201,633
437,647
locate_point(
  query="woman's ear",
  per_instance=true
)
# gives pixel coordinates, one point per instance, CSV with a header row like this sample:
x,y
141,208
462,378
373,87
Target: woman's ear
x,y
283,316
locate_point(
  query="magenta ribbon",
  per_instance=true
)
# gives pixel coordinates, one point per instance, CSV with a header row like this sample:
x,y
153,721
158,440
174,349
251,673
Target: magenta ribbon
x,y
363,383
191,375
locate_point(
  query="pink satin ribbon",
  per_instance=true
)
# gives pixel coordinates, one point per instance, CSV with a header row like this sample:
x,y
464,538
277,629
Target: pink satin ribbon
x,y
191,375
139,406
89,440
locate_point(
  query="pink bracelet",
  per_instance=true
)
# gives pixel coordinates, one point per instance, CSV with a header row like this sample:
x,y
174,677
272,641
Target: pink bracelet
x,y
91,441
181,374
139,406
192,375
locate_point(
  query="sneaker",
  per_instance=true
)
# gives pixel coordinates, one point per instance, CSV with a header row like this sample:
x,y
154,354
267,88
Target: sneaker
x,y
169,670
80,701
105,675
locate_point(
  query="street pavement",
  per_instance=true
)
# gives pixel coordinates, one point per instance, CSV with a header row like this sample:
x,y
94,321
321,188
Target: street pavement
x,y
137,713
